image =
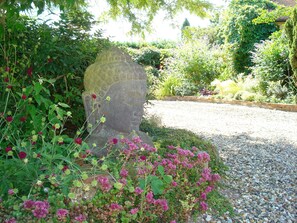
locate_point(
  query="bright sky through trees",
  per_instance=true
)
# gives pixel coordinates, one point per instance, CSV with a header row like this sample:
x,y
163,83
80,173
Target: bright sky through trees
x,y
162,28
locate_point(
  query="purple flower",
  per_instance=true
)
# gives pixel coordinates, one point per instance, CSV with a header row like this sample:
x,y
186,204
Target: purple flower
x,y
134,211
174,221
41,209
150,197
11,192
143,158
22,155
163,203
80,218
104,183
203,206
215,177
28,204
174,184
208,189
124,173
62,213
137,140
115,207
11,220
203,157
138,190
203,196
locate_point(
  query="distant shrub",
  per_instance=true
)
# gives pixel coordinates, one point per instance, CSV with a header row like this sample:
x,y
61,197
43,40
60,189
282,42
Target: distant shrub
x,y
246,89
271,62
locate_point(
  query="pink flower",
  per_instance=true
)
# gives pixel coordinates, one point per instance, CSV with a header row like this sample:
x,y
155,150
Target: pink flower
x,y
203,157
7,149
22,155
174,221
11,192
206,174
215,177
41,209
143,158
113,141
134,211
203,206
80,218
7,69
203,196
104,183
150,197
9,118
24,97
11,220
138,190
115,207
6,79
208,189
124,173
28,204
137,140
174,184
94,96
163,203
78,141
62,213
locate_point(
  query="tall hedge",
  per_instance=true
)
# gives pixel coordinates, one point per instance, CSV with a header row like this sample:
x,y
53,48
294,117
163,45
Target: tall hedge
x,y
291,30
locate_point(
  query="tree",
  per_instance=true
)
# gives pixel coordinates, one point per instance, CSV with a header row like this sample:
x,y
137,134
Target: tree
x,y
291,30
139,13
242,33
185,25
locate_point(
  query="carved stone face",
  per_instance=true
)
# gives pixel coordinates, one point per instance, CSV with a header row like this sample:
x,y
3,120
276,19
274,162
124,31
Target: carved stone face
x,y
125,109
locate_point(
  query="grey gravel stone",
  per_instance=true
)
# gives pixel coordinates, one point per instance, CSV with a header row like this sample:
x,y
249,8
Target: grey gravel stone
x,y
258,145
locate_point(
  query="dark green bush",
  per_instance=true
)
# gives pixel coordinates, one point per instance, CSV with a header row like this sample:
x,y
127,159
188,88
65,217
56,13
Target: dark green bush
x,y
59,52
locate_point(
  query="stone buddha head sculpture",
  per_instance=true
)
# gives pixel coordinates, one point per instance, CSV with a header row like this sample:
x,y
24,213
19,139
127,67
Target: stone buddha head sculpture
x,y
115,88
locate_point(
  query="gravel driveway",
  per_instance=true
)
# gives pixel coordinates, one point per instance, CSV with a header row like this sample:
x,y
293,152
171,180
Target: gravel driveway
x,y
258,145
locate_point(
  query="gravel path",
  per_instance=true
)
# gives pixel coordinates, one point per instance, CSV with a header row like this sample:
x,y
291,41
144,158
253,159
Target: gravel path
x,y
258,145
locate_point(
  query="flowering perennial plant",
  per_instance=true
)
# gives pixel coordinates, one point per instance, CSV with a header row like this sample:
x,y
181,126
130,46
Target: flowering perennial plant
x,y
132,183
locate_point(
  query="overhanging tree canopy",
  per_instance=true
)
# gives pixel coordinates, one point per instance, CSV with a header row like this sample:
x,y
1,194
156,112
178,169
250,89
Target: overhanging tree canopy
x,y
139,13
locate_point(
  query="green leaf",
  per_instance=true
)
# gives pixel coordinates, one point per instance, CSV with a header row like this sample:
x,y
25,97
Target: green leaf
x,y
37,87
142,184
167,179
63,105
157,186
161,170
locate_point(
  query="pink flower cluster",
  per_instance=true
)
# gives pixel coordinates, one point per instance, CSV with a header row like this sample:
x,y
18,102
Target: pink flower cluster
x,y
161,202
40,209
104,183
62,213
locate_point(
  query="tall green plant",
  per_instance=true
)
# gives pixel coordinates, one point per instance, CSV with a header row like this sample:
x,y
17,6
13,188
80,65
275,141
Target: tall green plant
x,y
242,33
291,30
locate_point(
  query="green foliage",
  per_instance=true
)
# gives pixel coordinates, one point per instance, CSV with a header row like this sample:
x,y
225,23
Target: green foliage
x,y
59,53
242,33
291,30
271,61
141,12
244,88
193,67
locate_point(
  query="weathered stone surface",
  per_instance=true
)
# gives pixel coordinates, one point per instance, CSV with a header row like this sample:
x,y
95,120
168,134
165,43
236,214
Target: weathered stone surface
x,y
114,75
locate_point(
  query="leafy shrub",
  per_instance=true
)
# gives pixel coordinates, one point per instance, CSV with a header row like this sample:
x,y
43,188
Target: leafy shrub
x,y
168,86
271,61
245,88
59,52
195,65
241,33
